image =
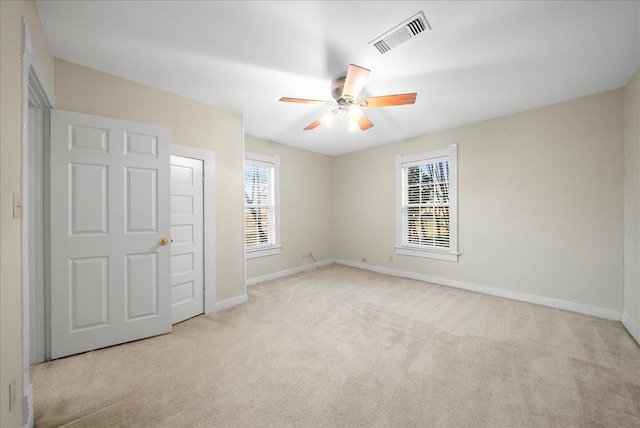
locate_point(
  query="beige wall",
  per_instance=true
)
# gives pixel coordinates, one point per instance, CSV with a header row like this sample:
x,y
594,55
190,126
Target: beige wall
x,y
540,203
632,201
305,207
540,192
193,124
11,15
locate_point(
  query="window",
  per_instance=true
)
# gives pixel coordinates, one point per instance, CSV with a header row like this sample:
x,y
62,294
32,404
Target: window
x,y
261,205
426,195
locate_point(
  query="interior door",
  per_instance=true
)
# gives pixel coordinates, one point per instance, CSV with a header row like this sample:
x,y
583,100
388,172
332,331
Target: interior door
x,y
187,255
110,258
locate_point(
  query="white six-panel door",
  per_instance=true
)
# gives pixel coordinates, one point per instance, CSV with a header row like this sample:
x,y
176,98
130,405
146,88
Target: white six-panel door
x,y
187,299
110,273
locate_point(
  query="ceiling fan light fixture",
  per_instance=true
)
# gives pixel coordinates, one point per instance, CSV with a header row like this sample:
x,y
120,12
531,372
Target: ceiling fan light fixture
x,y
354,113
345,90
328,117
353,125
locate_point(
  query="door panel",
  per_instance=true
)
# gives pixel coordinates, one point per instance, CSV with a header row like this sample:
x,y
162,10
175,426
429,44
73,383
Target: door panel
x,y
89,293
141,191
110,277
88,137
88,199
141,145
187,251
141,285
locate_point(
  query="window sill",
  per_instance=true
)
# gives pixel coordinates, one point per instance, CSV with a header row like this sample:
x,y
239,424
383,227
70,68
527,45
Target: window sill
x,y
271,251
438,255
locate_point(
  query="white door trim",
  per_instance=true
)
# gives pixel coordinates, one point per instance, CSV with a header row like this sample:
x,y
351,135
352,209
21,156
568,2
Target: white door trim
x,y
36,88
208,159
34,202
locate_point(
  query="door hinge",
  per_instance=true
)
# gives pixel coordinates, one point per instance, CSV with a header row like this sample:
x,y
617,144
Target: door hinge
x,y
203,178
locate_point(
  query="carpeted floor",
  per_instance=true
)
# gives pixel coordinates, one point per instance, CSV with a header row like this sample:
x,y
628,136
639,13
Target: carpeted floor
x,y
342,347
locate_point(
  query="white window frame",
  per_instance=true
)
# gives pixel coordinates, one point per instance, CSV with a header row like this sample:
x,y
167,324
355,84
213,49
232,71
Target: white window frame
x,y
272,162
450,155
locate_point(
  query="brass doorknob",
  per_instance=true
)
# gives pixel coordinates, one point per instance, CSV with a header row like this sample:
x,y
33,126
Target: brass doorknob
x,y
163,241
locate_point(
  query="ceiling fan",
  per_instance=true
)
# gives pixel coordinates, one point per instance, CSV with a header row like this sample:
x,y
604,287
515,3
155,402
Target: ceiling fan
x,y
345,90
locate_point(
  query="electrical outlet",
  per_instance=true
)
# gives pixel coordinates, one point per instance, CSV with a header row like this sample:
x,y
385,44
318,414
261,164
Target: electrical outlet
x,y
306,255
365,260
390,257
12,394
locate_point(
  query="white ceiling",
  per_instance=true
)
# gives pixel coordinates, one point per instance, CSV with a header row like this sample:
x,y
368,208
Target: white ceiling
x,y
480,60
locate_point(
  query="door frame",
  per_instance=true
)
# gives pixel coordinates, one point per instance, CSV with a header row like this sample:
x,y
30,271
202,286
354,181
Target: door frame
x,y
35,90
36,213
208,159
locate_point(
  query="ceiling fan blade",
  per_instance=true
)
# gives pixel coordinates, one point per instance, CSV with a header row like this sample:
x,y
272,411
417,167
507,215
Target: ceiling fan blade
x,y
303,101
313,125
364,123
354,82
388,100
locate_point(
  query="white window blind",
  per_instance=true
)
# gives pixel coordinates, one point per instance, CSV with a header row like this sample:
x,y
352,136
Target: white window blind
x,y
260,209
426,211
426,223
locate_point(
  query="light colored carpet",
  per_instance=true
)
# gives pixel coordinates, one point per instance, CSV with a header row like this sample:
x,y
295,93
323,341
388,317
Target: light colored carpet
x,y
342,347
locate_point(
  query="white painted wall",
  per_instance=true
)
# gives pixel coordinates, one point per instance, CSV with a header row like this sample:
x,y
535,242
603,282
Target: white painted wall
x,y
305,208
192,124
540,203
632,203
11,16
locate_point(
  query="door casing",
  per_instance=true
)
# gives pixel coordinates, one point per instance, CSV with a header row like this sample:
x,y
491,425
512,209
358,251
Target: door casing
x,y
36,92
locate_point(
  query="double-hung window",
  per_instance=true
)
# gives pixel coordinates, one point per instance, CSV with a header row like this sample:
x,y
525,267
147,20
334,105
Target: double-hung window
x,y
261,205
426,200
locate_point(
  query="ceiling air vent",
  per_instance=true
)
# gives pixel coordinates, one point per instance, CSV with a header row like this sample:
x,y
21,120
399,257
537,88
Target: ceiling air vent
x,y
401,33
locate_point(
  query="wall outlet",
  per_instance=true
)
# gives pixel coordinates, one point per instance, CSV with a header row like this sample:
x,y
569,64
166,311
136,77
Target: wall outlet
x,y
12,394
390,257
306,255
365,260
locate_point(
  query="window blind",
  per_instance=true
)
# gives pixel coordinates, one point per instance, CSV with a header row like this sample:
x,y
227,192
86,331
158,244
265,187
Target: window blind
x,y
426,219
259,205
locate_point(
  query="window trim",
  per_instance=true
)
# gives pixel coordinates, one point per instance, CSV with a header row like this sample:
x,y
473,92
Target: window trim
x,y
402,162
274,163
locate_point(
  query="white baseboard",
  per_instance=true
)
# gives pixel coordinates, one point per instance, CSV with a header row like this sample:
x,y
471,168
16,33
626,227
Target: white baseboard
x,y
595,311
283,273
226,304
27,407
229,303
633,329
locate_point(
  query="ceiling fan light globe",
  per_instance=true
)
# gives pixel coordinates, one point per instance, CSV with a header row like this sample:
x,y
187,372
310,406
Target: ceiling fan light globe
x,y
327,119
355,113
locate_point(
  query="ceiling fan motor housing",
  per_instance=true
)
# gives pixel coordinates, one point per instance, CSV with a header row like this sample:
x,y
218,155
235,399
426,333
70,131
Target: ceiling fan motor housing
x,y
336,86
